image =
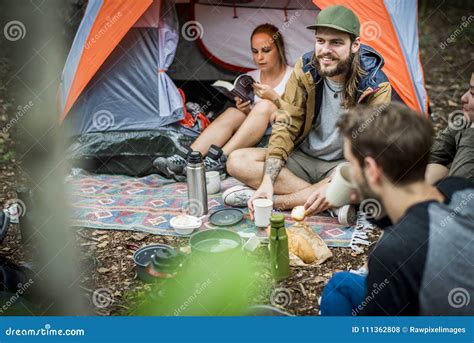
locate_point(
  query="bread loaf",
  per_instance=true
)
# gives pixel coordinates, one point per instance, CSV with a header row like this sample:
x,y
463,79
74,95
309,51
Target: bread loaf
x,y
299,246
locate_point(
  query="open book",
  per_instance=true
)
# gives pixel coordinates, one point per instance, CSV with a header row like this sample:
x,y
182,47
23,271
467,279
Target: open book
x,y
241,88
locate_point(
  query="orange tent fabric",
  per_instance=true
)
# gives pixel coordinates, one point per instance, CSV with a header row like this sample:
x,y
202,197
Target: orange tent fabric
x,y
113,21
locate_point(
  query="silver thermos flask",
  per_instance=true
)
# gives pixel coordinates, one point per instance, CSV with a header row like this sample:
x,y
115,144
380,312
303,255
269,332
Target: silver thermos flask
x,y
197,190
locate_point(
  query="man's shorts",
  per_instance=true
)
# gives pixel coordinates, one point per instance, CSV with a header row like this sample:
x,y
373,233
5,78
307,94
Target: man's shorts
x,y
308,168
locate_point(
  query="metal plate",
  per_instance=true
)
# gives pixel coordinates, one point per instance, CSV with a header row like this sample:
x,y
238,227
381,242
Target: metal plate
x,y
226,217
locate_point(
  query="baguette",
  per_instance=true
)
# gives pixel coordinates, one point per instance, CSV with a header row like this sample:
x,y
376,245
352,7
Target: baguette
x,y
299,246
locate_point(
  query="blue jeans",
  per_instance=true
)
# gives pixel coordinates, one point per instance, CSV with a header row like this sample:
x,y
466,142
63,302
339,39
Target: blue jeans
x,y
343,293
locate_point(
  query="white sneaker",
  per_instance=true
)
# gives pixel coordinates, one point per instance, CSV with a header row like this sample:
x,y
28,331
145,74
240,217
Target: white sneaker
x,y
362,271
237,196
346,215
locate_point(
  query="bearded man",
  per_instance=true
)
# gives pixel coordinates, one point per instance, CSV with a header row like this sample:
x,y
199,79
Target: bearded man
x,y
339,74
422,264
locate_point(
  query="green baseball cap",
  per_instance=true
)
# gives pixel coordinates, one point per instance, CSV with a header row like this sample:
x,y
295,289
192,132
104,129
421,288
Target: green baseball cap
x,y
339,18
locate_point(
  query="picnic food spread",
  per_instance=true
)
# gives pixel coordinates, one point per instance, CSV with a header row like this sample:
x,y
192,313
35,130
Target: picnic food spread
x,y
185,220
185,224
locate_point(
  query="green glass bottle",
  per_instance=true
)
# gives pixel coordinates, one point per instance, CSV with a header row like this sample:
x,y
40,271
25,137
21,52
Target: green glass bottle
x,y
279,257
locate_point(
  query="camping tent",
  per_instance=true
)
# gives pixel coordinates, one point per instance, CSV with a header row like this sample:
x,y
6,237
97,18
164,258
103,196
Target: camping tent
x,y
118,85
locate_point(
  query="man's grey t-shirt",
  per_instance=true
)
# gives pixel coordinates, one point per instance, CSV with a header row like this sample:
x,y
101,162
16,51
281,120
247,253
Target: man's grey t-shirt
x,y
324,141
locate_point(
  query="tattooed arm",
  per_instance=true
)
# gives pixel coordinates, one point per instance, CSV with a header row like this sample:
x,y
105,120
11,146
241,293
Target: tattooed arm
x,y
272,168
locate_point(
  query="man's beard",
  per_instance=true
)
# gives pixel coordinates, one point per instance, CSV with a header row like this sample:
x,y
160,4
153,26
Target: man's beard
x,y
364,190
342,67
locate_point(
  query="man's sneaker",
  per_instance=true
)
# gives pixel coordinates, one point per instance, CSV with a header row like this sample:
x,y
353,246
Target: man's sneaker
x,y
174,166
216,161
237,196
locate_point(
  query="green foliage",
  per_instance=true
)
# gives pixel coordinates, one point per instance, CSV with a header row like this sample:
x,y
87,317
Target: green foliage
x,y
206,285
8,156
221,285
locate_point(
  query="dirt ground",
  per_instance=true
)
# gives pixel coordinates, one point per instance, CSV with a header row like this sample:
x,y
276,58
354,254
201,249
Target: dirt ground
x,y
104,254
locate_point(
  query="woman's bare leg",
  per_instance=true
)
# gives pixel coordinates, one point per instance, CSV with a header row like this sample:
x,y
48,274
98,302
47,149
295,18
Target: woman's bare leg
x,y
220,131
252,129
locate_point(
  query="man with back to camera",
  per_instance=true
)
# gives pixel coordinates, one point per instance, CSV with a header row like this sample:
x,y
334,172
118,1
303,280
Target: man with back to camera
x,y
426,255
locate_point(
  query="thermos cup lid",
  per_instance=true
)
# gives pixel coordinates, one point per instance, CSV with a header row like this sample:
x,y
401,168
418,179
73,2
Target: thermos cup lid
x,y
194,157
277,220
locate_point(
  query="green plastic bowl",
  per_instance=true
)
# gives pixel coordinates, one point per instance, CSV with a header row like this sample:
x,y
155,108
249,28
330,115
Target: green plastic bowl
x,y
215,241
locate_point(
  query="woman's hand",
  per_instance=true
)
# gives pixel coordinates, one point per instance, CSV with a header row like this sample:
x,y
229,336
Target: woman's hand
x,y
265,91
242,106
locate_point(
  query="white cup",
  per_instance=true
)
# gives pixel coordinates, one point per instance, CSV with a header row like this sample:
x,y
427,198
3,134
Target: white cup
x,y
213,182
341,186
262,212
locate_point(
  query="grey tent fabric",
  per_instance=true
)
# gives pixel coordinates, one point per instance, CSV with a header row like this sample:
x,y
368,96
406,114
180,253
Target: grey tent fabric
x,y
124,94
74,56
131,90
408,37
189,63
168,35
129,153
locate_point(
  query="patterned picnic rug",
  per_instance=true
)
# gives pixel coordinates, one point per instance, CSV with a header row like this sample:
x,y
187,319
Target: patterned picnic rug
x,y
147,204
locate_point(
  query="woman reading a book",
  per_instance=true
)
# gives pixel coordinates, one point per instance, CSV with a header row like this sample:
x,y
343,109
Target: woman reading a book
x,y
245,124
